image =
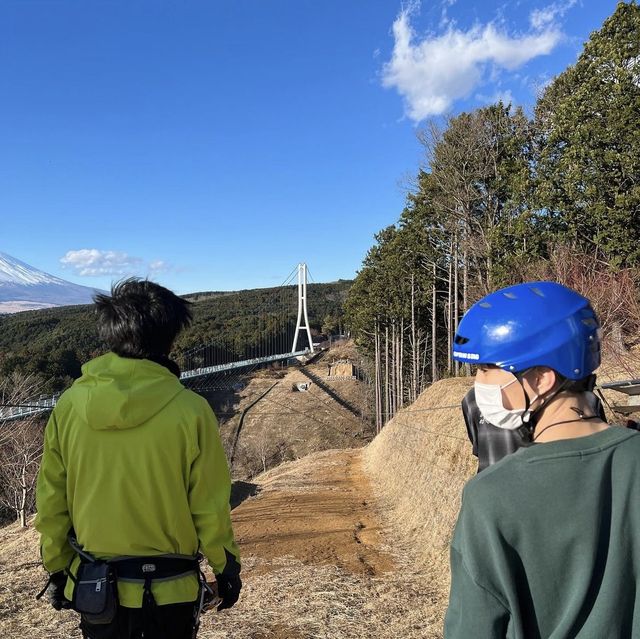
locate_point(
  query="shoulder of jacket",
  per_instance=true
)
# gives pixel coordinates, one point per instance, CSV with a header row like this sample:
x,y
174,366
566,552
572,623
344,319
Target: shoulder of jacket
x,y
193,400
495,480
63,403
629,442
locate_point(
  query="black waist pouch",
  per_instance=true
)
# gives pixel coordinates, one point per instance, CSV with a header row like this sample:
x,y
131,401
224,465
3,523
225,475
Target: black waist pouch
x,y
95,594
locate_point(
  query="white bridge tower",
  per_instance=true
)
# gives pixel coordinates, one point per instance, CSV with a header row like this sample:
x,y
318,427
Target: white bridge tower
x,y
302,308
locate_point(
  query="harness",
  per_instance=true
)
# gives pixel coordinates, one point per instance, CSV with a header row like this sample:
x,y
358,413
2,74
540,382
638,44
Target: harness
x,y
95,593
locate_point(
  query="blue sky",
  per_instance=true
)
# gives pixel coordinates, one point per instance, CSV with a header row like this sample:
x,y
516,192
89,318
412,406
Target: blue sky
x,y
214,144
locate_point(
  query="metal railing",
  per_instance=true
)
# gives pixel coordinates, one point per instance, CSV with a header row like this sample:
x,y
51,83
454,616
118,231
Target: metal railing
x,y
42,405
34,407
221,368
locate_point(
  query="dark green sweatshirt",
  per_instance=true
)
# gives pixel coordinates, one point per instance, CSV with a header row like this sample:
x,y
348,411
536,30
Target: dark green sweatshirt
x,y
547,543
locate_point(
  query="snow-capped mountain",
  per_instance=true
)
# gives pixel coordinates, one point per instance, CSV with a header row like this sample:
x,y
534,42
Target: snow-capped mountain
x,y
23,287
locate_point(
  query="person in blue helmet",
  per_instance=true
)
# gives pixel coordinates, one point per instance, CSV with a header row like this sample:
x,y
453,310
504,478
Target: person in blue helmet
x,y
547,542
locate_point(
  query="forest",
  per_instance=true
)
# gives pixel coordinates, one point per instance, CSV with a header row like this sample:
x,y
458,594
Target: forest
x,y
52,344
506,196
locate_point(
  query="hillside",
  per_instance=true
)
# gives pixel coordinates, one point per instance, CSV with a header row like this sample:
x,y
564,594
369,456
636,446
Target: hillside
x,y
54,342
286,423
421,461
316,563
321,556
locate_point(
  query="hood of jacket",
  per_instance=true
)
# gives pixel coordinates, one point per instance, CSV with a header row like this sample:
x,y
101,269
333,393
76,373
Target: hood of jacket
x,y
117,392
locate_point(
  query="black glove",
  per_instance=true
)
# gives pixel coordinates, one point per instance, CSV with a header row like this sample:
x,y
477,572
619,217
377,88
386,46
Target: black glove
x,y
55,590
229,587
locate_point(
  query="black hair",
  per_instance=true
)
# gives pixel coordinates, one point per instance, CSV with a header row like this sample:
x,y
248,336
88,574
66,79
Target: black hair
x,y
141,319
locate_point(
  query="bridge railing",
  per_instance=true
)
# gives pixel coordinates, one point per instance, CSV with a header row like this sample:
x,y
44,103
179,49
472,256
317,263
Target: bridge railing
x,y
221,368
35,406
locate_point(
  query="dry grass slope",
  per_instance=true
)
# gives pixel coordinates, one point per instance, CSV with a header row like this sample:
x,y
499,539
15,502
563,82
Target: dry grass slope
x,y
319,560
418,465
288,424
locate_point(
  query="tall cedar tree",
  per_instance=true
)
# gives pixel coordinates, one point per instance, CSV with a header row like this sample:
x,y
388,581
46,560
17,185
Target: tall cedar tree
x,y
588,143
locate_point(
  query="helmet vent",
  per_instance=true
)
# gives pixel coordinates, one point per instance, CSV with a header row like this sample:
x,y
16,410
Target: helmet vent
x,y
511,296
485,304
460,340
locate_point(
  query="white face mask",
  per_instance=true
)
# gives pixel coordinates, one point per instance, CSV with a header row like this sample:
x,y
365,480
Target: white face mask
x,y
489,400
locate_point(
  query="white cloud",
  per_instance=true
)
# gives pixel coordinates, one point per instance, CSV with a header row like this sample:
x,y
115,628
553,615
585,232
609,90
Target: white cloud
x,y
94,262
444,11
158,266
542,18
432,73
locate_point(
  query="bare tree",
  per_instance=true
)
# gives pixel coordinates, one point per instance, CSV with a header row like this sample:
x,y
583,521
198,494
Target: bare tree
x,y
19,463
614,293
21,444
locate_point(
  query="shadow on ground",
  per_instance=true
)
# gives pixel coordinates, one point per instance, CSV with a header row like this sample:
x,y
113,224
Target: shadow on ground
x,y
241,490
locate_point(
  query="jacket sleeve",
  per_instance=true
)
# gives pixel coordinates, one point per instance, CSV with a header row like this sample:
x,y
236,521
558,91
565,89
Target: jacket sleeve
x,y
209,492
469,410
53,521
473,611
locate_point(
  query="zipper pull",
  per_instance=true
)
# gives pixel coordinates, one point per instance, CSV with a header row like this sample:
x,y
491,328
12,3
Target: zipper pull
x,y
99,585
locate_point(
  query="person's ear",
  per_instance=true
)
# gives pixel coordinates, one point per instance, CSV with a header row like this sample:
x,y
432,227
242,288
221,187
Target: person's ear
x,y
544,379
540,380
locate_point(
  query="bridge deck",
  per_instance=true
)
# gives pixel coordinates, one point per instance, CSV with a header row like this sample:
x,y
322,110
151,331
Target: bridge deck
x,y
34,407
209,370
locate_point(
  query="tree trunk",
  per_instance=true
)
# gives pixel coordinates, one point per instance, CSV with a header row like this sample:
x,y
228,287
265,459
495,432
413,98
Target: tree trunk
x,y
465,294
401,365
414,344
425,363
377,380
456,312
449,314
387,389
434,323
23,496
393,365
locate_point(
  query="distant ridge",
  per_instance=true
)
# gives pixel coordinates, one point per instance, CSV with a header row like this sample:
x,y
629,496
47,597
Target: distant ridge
x,y
24,288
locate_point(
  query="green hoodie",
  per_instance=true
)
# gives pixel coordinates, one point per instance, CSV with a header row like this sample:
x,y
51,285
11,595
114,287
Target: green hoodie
x,y
134,463
547,543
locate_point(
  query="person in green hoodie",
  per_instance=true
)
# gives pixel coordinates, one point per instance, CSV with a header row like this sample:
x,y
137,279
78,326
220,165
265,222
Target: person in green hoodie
x,y
133,467
547,542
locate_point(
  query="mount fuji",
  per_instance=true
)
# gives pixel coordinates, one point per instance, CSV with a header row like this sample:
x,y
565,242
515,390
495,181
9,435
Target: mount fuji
x,y
25,288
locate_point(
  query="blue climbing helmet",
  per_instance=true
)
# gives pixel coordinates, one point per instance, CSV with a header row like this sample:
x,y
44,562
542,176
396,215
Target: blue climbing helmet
x,y
532,324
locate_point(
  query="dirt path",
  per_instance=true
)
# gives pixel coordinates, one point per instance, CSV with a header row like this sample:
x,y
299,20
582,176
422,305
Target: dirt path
x,y
315,563
318,513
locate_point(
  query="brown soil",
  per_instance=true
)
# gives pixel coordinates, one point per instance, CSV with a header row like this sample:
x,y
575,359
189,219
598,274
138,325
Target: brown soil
x,y
325,520
316,561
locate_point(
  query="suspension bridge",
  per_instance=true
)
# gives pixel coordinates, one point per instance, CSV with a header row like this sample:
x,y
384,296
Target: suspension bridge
x,y
277,330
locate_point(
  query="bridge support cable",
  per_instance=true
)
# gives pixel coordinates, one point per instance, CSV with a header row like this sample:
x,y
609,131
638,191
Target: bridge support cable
x,y
262,332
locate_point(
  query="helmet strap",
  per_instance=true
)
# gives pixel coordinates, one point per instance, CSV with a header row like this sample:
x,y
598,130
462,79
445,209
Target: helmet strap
x,y
530,417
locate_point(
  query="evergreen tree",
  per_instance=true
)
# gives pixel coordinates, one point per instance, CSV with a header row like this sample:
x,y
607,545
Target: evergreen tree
x,y
588,143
